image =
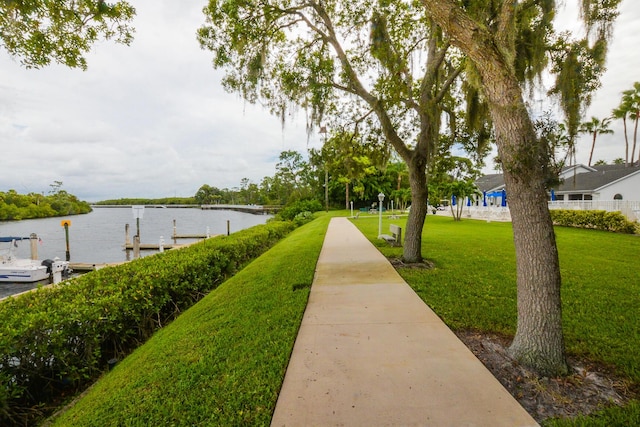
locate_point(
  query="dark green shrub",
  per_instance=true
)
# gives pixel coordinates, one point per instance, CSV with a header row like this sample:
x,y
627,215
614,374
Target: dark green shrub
x,y
56,340
600,220
289,212
302,218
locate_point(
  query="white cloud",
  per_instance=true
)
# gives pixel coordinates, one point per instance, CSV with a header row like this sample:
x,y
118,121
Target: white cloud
x,y
152,120
623,65
148,120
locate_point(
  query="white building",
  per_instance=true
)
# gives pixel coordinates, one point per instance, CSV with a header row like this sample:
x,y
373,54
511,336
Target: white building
x,y
602,187
601,183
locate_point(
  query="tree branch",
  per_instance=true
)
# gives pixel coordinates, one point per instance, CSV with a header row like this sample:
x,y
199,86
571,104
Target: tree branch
x,y
505,34
447,84
356,86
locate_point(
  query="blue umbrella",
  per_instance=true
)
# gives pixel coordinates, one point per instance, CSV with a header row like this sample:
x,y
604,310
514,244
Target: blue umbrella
x,y
484,198
453,200
504,197
468,201
553,195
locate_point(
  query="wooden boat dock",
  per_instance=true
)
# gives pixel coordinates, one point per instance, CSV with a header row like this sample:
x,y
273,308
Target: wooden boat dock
x,y
85,267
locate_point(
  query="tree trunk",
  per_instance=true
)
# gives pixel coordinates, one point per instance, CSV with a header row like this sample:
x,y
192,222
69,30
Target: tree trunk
x,y
635,138
539,341
415,223
346,200
593,146
626,141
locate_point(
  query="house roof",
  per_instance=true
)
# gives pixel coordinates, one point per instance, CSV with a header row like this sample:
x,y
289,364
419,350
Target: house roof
x,y
491,182
592,181
601,176
570,170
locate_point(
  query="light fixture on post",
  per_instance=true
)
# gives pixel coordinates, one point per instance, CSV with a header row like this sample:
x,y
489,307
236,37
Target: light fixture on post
x,y
380,199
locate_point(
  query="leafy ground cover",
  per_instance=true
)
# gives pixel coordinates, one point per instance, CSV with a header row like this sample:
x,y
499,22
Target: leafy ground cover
x,y
471,286
221,362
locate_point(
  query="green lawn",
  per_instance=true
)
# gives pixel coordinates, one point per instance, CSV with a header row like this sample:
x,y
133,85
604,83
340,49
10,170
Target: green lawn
x,y
473,286
223,361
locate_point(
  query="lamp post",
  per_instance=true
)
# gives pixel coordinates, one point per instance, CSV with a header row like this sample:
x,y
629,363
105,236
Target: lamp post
x,y
381,199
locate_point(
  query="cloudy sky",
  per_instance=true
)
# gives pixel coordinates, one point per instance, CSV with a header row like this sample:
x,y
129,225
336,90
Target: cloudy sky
x,y
151,120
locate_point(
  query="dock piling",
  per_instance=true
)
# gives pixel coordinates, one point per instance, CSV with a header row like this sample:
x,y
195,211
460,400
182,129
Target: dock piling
x,y
33,239
66,224
136,247
127,239
175,232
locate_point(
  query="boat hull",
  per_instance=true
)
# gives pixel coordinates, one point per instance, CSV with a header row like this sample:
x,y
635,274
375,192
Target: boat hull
x,y
20,270
25,271
23,274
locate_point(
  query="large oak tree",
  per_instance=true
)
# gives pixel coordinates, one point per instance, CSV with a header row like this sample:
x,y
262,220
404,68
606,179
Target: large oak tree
x,y
510,43
346,61
396,60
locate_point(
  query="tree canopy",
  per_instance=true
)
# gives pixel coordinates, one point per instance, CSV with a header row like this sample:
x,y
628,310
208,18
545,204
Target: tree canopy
x,y
382,65
40,31
595,127
15,207
510,43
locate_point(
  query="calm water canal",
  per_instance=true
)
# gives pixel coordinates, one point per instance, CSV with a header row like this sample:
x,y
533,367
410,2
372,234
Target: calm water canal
x,y
98,237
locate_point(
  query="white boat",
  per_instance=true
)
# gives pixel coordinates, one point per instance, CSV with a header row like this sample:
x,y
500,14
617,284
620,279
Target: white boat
x,y
14,269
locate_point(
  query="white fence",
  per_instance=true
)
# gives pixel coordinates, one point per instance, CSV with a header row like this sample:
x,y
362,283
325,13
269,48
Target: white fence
x,y
490,213
630,209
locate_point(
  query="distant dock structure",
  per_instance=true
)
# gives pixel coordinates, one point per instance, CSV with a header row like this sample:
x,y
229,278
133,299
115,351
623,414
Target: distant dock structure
x,y
252,209
136,246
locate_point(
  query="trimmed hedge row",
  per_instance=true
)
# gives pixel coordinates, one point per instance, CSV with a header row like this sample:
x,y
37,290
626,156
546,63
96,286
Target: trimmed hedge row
x,y
56,340
600,220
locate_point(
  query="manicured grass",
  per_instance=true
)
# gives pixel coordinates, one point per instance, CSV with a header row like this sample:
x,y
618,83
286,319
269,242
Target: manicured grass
x,y
223,361
473,286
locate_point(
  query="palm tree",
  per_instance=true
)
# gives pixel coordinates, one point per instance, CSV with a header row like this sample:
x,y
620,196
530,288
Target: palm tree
x,y
630,108
621,113
631,97
564,140
596,127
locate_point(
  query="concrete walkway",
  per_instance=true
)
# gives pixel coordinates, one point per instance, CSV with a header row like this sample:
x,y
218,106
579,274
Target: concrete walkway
x,y
370,352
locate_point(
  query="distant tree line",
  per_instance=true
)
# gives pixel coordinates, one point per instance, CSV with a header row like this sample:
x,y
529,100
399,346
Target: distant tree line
x,y
141,201
58,202
297,178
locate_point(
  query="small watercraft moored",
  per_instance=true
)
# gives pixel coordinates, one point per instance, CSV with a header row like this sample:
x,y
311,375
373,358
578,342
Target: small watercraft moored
x,y
14,269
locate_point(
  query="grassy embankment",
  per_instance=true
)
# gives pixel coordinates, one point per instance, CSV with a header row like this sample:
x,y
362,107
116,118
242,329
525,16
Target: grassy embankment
x,y
222,362
473,287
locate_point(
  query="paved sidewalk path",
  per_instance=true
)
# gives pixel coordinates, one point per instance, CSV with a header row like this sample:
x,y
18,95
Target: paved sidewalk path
x,y
370,352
